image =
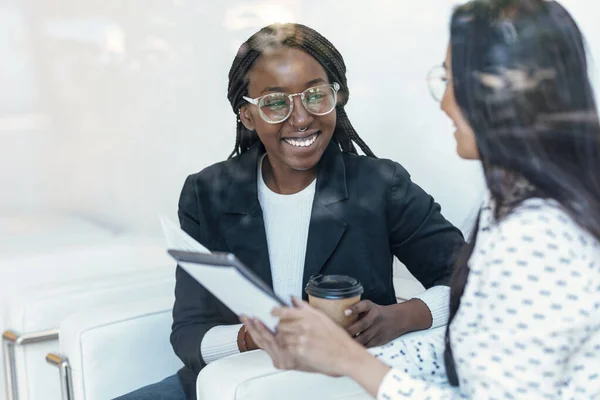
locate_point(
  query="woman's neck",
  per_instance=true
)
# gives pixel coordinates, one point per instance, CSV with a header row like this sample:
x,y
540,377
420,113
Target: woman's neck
x,y
285,180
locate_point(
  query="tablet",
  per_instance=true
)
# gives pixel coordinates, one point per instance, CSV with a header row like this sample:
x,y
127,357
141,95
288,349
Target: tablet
x,y
229,280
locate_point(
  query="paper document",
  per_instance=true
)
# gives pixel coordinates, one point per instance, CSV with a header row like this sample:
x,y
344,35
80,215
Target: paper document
x,y
223,275
178,239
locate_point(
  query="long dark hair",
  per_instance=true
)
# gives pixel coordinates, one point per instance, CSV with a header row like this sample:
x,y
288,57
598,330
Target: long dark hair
x,y
310,41
520,77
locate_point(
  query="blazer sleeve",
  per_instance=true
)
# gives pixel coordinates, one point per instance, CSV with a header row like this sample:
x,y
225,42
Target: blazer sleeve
x,y
420,237
195,311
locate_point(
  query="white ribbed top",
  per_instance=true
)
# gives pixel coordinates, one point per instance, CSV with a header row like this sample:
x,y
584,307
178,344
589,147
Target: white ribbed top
x,y
287,219
437,299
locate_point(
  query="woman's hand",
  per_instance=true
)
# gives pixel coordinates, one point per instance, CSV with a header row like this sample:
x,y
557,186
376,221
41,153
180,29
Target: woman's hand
x,y
316,343
264,339
378,325
307,340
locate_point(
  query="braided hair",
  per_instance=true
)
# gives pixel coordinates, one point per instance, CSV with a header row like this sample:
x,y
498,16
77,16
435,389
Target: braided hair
x,y
310,41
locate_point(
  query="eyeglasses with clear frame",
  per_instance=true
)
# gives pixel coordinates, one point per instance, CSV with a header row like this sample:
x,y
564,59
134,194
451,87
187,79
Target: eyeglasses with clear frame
x,y
437,80
275,108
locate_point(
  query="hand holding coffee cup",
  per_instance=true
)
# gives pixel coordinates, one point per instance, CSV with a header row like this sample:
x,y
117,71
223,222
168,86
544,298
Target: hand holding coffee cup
x,y
333,294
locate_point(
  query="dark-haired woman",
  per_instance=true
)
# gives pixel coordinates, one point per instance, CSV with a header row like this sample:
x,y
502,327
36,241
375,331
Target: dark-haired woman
x,y
295,199
526,299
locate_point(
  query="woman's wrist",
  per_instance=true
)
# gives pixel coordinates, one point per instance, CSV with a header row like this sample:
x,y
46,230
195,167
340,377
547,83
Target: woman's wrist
x,y
242,341
362,367
351,363
412,315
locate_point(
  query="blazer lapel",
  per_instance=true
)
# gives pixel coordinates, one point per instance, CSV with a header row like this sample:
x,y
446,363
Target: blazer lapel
x,y
326,225
243,225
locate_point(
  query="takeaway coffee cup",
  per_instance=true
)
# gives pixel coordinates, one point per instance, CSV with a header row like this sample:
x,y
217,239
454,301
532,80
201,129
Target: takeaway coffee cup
x,y
333,294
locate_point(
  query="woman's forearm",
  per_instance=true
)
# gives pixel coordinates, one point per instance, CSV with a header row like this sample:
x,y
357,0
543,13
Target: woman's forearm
x,y
365,369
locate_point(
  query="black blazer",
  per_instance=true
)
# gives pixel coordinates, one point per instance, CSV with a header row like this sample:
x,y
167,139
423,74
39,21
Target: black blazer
x,y
365,211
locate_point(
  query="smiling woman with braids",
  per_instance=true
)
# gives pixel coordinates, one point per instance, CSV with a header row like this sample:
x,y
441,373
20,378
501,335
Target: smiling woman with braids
x,y
525,300
295,199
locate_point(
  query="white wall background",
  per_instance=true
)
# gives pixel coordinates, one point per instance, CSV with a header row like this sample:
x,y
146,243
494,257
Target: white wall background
x,y
107,105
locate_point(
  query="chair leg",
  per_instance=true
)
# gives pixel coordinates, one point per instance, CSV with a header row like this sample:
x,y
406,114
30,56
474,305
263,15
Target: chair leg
x,y
11,340
8,349
64,368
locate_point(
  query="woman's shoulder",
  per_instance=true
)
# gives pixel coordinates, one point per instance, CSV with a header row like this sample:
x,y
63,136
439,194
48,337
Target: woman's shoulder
x,y
538,250
540,213
545,227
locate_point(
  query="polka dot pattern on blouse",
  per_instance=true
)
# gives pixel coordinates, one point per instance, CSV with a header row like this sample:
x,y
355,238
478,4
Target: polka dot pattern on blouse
x,y
528,326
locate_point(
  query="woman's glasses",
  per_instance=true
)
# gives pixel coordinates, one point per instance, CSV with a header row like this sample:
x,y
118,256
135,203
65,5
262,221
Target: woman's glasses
x,y
437,79
275,108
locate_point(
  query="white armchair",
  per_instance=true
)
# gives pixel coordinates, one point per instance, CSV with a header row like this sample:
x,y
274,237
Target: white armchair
x,y
35,315
40,289
24,239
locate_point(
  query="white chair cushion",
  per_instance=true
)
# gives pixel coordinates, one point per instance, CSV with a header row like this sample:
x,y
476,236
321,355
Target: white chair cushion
x,y
117,349
407,288
43,232
405,285
119,255
46,306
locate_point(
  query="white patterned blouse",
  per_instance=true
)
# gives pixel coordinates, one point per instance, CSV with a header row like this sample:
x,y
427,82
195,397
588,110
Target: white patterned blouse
x,y
528,326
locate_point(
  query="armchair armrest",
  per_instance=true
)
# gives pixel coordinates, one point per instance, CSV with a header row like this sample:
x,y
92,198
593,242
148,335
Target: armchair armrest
x,y
252,376
116,349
